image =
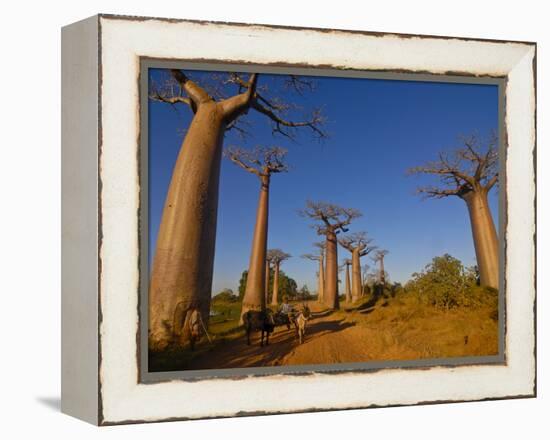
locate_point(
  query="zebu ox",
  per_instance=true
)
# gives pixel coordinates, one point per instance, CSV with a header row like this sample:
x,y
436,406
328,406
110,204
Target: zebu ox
x,y
258,321
300,321
265,322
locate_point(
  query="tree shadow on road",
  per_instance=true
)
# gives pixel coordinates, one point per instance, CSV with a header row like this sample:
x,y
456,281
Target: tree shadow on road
x,y
237,354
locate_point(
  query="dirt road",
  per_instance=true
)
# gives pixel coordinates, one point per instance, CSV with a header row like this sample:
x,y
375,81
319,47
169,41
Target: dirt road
x,y
391,330
330,338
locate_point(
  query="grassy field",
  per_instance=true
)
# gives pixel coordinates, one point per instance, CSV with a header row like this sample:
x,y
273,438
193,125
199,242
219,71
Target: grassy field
x,y
402,328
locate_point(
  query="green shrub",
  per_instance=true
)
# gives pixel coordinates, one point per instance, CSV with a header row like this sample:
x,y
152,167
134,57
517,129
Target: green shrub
x,y
446,283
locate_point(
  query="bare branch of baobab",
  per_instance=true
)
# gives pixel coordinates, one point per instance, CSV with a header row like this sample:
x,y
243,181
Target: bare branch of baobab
x,y
470,168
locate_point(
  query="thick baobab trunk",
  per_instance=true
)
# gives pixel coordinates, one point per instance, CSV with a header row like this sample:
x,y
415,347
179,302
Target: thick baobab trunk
x,y
275,297
356,289
321,289
254,294
331,280
348,284
485,238
181,277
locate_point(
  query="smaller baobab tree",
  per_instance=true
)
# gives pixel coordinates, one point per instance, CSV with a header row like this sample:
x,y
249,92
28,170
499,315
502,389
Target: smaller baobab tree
x,y
469,173
331,220
320,257
263,162
348,263
378,257
359,246
276,256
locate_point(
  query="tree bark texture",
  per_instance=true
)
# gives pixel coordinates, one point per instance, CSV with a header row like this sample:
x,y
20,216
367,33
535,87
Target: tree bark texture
x,y
332,300
356,275
321,289
485,238
181,277
348,284
275,298
254,295
266,281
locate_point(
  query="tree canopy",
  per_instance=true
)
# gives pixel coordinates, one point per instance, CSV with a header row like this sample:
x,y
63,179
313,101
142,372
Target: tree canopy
x,y
191,89
357,240
470,168
262,161
277,256
330,217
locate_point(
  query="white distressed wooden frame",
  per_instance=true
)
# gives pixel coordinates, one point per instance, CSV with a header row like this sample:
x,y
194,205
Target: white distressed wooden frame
x,y
101,64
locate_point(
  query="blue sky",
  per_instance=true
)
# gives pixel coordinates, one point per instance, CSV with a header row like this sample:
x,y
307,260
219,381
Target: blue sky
x,y
378,129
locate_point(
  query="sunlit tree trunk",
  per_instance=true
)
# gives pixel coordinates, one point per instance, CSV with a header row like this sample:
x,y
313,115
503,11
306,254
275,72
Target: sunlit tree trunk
x,y
181,277
484,236
321,290
254,295
266,281
348,284
275,297
356,275
332,300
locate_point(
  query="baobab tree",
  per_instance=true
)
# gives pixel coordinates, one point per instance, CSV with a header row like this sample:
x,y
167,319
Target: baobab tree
x,y
331,220
378,257
347,263
276,256
469,173
321,272
181,276
359,246
263,162
365,274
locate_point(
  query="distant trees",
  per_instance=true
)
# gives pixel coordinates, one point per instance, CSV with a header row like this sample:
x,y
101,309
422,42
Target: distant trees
x,y
181,276
287,285
378,257
469,173
365,273
446,283
276,257
359,246
304,294
226,295
263,162
320,257
331,220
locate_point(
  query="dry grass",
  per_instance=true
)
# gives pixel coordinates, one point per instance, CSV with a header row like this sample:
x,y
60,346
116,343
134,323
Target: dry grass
x,y
398,328
401,328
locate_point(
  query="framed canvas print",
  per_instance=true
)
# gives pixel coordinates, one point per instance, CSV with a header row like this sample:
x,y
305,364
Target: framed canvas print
x,y
262,220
